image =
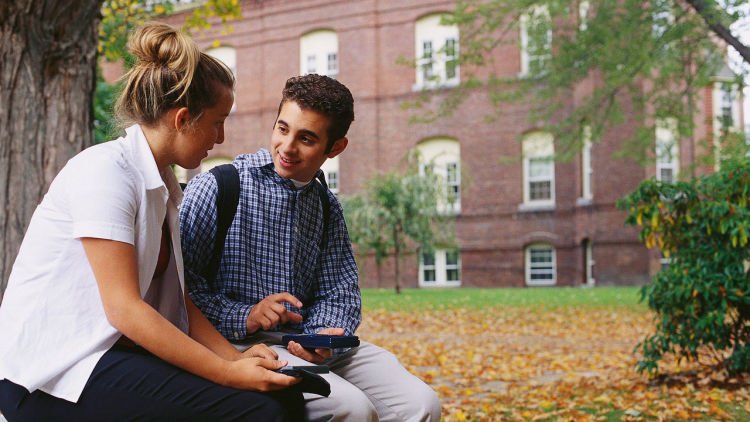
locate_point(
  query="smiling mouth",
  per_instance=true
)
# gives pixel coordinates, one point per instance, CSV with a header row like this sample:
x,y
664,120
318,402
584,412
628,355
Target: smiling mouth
x,y
287,161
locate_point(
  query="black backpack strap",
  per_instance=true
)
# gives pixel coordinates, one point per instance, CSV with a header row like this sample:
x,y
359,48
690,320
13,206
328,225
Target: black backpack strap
x,y
326,203
227,197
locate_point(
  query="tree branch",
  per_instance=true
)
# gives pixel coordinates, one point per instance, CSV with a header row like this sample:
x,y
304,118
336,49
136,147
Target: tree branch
x,y
719,29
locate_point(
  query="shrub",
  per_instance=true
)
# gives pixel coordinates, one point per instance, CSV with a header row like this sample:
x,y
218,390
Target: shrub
x,y
702,298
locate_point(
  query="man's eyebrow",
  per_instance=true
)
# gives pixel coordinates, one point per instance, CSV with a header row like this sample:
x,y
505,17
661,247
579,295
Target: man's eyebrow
x,y
309,133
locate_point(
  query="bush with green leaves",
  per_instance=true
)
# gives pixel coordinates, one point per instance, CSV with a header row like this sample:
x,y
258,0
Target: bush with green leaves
x,y
702,298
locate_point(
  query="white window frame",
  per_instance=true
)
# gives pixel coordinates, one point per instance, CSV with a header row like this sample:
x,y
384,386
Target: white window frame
x,y
433,43
332,173
590,263
537,13
533,270
720,96
583,14
587,171
440,268
538,147
228,56
316,49
667,148
442,154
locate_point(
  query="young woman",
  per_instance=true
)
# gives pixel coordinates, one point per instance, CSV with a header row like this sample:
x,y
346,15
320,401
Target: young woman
x,y
95,323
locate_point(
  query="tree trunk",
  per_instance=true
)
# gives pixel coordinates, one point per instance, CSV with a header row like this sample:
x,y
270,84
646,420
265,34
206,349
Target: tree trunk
x,y
397,258
47,82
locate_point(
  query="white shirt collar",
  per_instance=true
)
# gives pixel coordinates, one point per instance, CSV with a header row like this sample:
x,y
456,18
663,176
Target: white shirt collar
x,y
143,157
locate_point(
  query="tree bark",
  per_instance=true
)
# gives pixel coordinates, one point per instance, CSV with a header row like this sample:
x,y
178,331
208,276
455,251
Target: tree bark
x,y
47,81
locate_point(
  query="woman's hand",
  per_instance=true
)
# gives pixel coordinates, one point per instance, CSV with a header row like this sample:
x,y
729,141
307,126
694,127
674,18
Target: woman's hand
x,y
260,351
257,374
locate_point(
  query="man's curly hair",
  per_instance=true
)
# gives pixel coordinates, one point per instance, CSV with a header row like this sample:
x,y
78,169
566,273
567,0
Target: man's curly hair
x,y
324,95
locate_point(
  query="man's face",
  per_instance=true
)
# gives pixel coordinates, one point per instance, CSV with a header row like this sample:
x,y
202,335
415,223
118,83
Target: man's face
x,y
298,142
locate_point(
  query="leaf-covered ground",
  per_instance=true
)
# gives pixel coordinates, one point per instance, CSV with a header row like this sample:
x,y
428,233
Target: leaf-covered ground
x,y
532,363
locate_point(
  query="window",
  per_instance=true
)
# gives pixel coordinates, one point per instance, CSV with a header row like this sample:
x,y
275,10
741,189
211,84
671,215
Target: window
x,y
540,265
538,170
428,268
536,41
443,157
331,171
726,113
588,262
319,53
667,150
228,56
586,169
583,14
436,53
440,268
333,64
312,63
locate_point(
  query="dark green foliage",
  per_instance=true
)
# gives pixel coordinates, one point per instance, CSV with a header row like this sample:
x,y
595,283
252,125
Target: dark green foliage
x,y
702,299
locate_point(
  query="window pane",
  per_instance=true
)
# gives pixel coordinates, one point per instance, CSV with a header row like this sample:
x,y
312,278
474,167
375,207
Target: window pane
x,y
540,167
333,64
541,264
428,259
427,72
429,276
452,275
540,190
333,180
311,68
666,175
450,58
451,258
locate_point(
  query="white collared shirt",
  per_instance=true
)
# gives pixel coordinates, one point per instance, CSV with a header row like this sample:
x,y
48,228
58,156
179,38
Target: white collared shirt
x,y
53,329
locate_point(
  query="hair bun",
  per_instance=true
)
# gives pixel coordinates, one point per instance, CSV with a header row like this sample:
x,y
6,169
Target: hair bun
x,y
161,45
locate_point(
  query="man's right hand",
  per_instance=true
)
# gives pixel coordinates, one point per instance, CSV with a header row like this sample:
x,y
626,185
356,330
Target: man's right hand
x,y
270,312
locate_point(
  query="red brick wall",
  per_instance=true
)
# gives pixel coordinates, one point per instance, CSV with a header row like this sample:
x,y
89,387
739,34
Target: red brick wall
x,y
491,231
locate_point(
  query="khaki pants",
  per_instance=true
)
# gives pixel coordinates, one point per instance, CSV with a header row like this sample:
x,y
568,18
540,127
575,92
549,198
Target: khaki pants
x,y
367,384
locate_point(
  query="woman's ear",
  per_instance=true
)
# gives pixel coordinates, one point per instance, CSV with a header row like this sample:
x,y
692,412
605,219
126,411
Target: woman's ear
x,y
181,118
338,147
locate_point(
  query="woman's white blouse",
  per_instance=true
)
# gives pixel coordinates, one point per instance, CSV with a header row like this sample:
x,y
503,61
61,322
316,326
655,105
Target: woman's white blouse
x,y
53,329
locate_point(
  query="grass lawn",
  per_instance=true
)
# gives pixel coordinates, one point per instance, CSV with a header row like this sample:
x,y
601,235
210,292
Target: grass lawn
x,y
546,354
450,298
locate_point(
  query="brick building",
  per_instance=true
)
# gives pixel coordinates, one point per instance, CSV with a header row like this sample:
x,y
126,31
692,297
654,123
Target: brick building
x,y
530,222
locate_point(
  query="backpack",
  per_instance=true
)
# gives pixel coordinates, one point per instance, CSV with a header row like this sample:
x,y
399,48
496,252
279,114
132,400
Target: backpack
x,y
228,197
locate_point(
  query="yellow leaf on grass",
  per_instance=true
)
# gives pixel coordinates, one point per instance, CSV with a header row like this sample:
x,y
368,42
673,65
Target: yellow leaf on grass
x,y
604,399
546,405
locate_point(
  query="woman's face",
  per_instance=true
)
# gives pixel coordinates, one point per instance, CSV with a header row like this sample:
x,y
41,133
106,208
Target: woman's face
x,y
201,135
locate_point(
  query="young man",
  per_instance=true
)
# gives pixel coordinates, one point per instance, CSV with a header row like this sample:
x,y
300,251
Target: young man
x,y
288,264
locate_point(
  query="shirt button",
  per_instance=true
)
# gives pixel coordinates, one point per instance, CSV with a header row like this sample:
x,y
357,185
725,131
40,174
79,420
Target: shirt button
x,y
236,335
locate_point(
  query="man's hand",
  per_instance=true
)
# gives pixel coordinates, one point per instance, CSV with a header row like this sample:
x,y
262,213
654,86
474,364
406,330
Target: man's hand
x,y
270,312
319,355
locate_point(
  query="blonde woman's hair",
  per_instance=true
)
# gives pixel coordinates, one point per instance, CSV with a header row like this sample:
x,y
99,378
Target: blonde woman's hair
x,y
169,71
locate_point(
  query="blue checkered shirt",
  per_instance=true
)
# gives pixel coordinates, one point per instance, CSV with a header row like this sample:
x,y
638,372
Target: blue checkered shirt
x,y
272,246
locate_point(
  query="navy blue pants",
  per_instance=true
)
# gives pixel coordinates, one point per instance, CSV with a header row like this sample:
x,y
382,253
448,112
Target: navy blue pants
x,y
130,384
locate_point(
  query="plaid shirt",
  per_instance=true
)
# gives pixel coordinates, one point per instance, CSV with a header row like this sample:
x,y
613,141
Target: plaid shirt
x,y
272,246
